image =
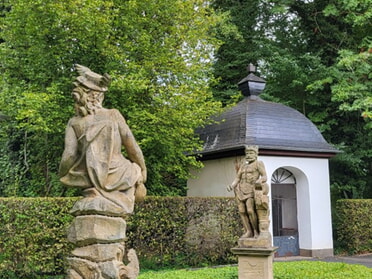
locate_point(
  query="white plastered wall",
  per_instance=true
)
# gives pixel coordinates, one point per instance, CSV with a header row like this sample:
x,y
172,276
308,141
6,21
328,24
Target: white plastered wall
x,y
312,186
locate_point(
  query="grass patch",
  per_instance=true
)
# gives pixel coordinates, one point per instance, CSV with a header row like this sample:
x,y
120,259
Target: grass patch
x,y
202,273
320,270
282,270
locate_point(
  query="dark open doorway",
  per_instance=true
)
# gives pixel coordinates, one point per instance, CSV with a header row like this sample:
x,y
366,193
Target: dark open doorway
x,y
284,213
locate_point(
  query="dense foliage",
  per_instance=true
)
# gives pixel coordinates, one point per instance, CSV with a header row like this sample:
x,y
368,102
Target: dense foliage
x,y
33,236
165,231
353,225
316,58
179,231
158,54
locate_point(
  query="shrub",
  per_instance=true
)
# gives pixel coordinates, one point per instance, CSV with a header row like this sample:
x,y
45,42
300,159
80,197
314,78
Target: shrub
x,y
353,225
175,231
33,235
164,231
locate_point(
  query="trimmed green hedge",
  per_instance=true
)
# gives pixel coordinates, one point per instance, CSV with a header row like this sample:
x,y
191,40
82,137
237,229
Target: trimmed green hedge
x,y
165,231
353,225
177,231
33,235
181,231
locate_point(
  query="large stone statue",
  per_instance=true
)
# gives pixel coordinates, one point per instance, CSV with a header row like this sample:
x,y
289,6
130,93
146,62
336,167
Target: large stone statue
x,y
251,191
92,160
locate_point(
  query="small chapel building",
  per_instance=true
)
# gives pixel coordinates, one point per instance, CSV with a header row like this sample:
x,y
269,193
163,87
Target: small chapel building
x,y
296,158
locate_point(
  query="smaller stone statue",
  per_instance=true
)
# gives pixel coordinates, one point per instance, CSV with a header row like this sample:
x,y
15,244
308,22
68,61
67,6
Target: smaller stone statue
x,y
251,191
93,161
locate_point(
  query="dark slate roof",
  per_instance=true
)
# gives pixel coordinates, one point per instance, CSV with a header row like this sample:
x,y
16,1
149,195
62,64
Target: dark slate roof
x,y
269,125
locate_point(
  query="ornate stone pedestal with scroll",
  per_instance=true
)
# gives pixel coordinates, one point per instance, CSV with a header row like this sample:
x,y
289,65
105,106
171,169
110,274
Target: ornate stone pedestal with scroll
x,y
254,251
255,263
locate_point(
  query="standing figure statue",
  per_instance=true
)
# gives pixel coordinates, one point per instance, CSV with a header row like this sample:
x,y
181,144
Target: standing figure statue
x,y
251,191
92,161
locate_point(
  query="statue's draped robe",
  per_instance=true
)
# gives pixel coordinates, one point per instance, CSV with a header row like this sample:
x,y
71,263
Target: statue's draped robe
x,y
95,142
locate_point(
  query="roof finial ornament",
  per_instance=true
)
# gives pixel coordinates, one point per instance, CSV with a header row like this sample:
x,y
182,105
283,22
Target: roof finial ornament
x,y
252,85
251,68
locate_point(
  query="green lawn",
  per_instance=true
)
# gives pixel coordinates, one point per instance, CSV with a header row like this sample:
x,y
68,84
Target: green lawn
x,y
282,270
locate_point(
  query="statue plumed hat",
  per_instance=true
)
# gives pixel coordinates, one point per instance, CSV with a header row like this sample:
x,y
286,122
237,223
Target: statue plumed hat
x,y
91,79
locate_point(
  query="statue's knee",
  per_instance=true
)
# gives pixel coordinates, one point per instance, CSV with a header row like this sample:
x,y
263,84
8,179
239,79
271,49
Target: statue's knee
x,y
242,209
242,213
250,211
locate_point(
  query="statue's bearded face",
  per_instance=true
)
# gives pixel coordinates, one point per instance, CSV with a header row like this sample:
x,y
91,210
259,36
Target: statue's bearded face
x,y
250,155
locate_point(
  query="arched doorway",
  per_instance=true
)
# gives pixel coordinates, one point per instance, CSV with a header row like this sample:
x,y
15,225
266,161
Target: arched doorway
x,y
284,213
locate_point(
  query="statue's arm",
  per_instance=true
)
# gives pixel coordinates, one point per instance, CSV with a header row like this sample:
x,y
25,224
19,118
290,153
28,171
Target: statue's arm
x,y
263,177
70,152
262,172
131,146
236,181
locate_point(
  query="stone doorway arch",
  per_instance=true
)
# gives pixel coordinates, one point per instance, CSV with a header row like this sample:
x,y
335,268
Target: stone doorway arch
x,y
284,213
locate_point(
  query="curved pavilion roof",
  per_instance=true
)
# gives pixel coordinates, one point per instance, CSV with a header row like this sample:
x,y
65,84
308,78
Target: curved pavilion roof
x,y
275,128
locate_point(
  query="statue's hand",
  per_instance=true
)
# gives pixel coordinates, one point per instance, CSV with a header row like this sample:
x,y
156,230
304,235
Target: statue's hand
x,y
229,188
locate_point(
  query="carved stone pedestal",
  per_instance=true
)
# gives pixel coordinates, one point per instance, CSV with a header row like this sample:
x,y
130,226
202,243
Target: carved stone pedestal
x,y
255,263
98,232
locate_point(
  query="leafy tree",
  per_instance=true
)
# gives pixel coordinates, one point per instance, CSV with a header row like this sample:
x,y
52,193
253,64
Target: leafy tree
x,y
159,54
270,37
340,37
238,48
352,73
349,80
315,56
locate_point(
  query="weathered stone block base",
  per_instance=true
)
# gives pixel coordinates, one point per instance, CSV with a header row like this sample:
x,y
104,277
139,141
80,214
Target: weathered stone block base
x,y
80,268
99,242
255,263
92,229
264,240
317,253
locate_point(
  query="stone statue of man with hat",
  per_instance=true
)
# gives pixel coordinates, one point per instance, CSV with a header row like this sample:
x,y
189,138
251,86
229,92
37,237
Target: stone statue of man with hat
x,y
92,161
